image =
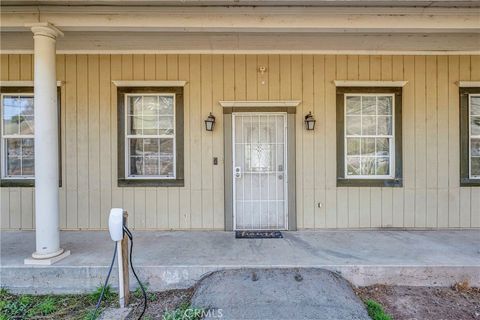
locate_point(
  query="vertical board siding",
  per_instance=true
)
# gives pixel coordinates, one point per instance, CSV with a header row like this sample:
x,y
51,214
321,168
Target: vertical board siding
x,y
431,196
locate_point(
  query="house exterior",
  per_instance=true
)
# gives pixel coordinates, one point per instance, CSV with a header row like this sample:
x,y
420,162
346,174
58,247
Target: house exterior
x,y
394,90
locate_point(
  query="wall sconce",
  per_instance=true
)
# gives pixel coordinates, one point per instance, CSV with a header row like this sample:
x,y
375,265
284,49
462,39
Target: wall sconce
x,y
210,122
310,121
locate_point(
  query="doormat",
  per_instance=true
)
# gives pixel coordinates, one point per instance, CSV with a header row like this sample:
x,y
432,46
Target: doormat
x,y
258,235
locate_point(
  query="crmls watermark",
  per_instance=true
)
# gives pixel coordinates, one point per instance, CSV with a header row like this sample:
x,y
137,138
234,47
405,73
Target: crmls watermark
x,y
203,314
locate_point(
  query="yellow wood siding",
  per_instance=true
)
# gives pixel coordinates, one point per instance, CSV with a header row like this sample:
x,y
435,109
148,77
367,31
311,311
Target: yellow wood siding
x,y
431,196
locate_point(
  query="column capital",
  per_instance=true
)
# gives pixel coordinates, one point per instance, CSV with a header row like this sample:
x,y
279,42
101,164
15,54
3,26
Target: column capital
x,y
45,29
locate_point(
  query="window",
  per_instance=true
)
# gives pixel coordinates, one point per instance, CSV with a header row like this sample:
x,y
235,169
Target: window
x,y
369,136
17,136
470,136
151,136
17,143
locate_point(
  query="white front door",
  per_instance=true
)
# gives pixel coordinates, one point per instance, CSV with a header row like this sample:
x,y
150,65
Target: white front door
x,y
260,171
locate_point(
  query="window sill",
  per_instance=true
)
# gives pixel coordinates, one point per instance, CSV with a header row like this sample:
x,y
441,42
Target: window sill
x,y
17,183
394,183
465,182
151,183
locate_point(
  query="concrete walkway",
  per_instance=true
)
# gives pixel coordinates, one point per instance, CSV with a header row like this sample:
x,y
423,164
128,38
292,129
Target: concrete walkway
x,y
179,259
277,294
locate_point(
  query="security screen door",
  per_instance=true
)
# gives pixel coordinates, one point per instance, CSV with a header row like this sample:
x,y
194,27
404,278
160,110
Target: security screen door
x,y
260,171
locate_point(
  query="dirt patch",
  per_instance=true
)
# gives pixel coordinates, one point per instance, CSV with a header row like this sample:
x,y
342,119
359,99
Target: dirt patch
x,y
159,302
426,303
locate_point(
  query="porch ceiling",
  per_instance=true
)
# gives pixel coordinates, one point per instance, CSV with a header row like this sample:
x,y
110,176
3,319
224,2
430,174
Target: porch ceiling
x,y
319,3
245,19
155,42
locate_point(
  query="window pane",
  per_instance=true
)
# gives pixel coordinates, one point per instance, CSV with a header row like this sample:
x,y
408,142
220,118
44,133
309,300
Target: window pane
x,y
151,166
166,166
135,105
166,125
367,166
384,105
166,105
28,148
150,125
28,165
353,146
136,166
369,125
369,105
383,166
353,125
475,147
26,124
136,147
10,116
14,167
354,105
151,146
166,146
475,105
26,106
384,125
475,126
383,146
14,148
150,105
475,167
353,166
135,124
368,146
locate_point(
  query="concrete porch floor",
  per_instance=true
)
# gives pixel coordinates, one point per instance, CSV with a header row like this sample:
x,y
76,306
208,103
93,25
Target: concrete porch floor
x,y
178,259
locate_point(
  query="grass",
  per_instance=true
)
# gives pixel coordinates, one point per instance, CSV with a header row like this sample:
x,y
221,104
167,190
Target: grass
x,y
184,312
375,310
74,307
151,296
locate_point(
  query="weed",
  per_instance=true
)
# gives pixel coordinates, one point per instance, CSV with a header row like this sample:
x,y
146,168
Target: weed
x,y
91,315
184,312
375,311
108,295
47,306
151,296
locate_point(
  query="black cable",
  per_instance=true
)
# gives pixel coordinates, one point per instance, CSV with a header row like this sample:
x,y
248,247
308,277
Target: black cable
x,y
106,281
130,236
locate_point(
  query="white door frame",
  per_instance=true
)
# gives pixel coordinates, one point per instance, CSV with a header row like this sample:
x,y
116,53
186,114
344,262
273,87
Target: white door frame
x,y
285,157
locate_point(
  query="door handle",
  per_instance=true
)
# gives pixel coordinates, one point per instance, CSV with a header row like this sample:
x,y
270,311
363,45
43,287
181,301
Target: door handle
x,y
238,172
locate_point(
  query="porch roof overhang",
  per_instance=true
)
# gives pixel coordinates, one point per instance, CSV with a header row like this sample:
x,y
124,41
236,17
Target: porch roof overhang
x,y
221,29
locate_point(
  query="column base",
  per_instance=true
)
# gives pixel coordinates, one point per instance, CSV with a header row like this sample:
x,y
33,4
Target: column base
x,y
46,259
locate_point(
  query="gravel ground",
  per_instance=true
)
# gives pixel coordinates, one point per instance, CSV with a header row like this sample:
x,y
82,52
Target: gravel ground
x,y
426,303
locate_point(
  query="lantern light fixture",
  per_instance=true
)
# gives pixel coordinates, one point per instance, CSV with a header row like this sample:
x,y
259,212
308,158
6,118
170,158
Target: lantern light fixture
x,y
310,121
210,122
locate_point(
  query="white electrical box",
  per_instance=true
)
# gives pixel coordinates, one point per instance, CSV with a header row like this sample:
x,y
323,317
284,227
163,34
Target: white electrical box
x,y
115,224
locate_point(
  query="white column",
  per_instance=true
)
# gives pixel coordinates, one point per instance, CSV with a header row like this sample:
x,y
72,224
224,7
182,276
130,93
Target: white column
x,y
46,145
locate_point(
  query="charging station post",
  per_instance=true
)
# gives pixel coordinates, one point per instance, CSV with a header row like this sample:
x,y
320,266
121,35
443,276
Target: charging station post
x,y
116,223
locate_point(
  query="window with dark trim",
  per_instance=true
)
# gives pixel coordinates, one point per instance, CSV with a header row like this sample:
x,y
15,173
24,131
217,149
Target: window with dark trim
x,y
369,137
150,136
17,125
470,136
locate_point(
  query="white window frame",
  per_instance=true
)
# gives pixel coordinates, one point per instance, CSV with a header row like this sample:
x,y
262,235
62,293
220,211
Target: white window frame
x,y
391,137
3,145
129,136
470,136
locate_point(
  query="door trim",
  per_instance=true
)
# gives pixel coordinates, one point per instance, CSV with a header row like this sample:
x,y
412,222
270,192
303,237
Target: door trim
x,y
291,166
